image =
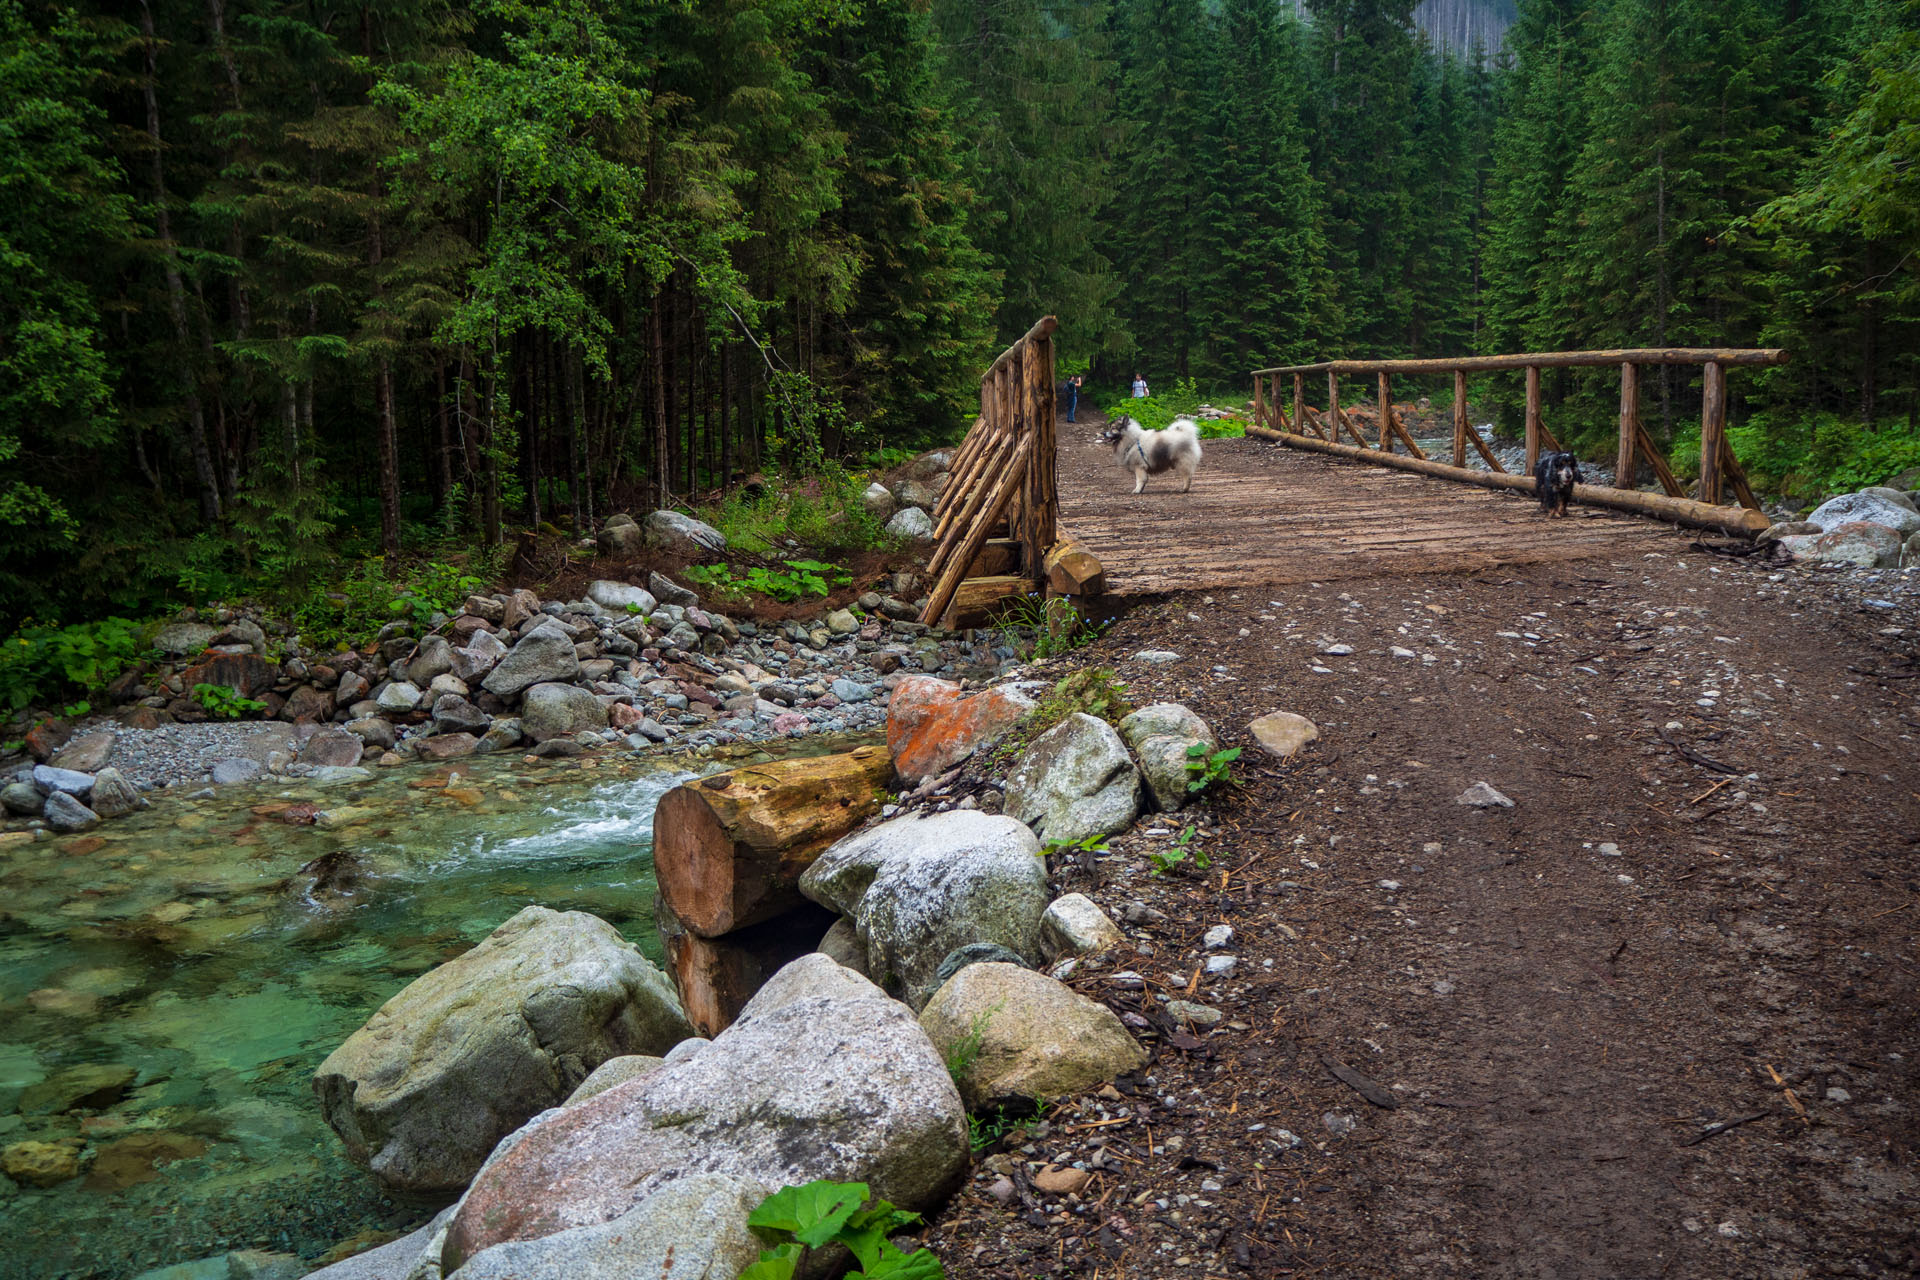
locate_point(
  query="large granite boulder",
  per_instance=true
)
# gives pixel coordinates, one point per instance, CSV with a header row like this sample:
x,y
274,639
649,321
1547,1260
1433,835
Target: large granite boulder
x,y
560,711
911,523
1075,781
620,536
919,887
184,639
469,1051
87,753
621,597
1019,1036
1161,735
246,674
820,1076
671,531
931,726
1873,506
543,654
433,658
482,653
1860,543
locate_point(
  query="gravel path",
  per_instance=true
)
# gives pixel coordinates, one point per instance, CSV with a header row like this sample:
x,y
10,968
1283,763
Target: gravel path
x,y
181,754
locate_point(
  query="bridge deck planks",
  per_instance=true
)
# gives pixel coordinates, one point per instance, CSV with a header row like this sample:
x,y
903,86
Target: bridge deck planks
x,y
1260,514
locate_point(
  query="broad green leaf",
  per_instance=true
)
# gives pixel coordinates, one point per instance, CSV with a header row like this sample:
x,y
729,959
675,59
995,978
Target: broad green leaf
x,y
812,1212
774,1264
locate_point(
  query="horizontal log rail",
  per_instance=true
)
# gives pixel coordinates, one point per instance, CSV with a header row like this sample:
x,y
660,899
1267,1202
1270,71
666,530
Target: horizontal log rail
x,y
1719,469
1003,491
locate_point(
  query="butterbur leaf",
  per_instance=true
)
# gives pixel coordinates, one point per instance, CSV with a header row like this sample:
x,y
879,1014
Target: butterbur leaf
x,y
866,1232
774,1264
921,1264
1198,751
813,1213
1226,757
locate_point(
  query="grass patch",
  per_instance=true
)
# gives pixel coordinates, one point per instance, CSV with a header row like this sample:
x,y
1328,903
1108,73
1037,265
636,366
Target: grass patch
x,y
1094,691
822,510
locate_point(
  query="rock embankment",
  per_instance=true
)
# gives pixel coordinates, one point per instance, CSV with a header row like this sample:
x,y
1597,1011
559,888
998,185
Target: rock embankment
x,y
1875,528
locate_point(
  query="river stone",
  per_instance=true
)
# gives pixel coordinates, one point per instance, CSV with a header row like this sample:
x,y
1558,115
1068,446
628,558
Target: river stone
x,y
399,698
820,1076
433,658
67,815
40,1164
671,531
1283,734
1870,507
503,733
560,711
1160,736
931,726
86,753
1018,1036
975,953
694,1228
244,673
472,1049
621,598
114,796
1859,543
22,799
912,523
544,654
482,653
629,1066
238,769
1784,529
91,1086
333,747
70,781
667,591
373,732
878,501
454,714
242,1264
1910,552
184,639
442,747
842,944
1483,795
920,886
1075,926
1075,781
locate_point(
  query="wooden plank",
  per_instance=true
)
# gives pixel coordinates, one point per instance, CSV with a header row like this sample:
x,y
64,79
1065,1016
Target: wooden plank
x,y
976,536
1713,430
1738,475
1623,462
1073,569
1460,419
1313,420
974,600
1685,511
999,556
1549,360
1406,437
967,516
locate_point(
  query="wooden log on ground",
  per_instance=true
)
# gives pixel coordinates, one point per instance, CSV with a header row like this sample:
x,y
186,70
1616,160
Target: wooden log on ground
x,y
1073,570
975,598
717,976
1549,360
1734,521
729,849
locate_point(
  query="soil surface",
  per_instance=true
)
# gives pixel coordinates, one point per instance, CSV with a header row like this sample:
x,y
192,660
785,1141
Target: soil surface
x,y
1658,1019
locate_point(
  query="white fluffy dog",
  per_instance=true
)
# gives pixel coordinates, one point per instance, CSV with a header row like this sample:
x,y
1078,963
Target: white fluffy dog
x,y
1152,453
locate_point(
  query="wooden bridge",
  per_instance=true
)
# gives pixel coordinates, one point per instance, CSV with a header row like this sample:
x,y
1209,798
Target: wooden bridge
x,y
1259,515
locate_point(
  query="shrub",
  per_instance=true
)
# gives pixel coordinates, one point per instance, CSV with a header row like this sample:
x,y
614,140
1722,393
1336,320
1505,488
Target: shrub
x,y
41,663
822,510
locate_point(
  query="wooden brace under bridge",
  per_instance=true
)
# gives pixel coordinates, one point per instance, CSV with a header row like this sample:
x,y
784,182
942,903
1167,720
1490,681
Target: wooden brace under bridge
x,y
997,523
1719,468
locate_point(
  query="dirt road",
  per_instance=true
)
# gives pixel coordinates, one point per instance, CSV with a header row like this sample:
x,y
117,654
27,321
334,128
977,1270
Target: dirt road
x,y
1658,1019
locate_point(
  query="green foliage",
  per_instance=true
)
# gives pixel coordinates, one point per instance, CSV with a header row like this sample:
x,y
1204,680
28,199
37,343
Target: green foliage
x,y
1180,853
39,664
822,510
798,581
1056,623
356,607
803,1218
1207,767
223,703
1808,456
966,1051
1085,844
1157,411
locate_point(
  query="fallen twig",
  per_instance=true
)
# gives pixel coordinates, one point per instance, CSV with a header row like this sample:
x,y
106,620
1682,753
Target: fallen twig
x,y
1715,1130
1688,753
1366,1088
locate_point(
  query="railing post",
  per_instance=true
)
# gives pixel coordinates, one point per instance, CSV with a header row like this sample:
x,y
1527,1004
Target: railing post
x,y
1260,403
1533,417
1713,429
1300,403
1333,404
1459,417
1623,467
1386,409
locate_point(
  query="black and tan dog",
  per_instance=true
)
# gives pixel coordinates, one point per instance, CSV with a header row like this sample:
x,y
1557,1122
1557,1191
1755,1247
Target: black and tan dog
x,y
1553,479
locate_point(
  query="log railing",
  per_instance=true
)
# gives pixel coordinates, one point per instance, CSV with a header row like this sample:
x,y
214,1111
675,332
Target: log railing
x,y
1719,469
996,525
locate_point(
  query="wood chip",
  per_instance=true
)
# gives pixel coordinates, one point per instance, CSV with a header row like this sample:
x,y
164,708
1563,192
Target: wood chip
x,y
1366,1088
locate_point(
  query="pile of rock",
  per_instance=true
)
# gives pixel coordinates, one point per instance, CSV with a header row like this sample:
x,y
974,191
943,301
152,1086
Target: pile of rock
x,y
908,504
1874,528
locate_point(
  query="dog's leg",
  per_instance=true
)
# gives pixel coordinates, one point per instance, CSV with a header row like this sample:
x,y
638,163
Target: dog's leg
x,y
1139,481
1189,486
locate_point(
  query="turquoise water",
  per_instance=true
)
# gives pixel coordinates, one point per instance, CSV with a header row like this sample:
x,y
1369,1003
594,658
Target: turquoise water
x,y
185,944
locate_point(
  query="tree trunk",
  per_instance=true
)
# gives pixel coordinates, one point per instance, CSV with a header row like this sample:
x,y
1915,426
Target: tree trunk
x,y
729,849
717,976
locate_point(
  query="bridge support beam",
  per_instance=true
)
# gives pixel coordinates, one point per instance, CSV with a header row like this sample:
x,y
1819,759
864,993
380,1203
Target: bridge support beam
x,y
1735,521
